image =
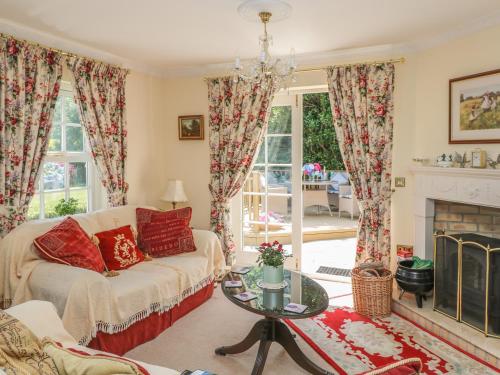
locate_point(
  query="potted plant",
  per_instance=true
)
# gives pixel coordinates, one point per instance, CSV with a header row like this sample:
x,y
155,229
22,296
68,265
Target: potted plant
x,y
271,258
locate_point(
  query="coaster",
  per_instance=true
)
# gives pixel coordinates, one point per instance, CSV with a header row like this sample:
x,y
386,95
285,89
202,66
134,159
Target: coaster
x,y
233,284
296,308
241,270
245,296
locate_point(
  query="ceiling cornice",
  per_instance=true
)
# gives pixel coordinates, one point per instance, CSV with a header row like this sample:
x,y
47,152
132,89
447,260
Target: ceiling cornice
x,y
304,60
25,32
462,30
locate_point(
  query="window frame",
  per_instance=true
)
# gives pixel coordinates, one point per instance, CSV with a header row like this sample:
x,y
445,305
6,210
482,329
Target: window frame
x,y
93,186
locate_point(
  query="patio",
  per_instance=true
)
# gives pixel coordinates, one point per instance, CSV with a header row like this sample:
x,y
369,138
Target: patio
x,y
317,226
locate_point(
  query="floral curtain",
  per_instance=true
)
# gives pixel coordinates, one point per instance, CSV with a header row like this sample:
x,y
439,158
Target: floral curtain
x,y
100,94
29,86
361,98
238,115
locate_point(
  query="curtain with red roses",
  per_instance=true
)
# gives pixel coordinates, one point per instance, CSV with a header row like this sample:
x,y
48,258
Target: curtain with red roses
x,y
238,116
29,86
361,98
99,90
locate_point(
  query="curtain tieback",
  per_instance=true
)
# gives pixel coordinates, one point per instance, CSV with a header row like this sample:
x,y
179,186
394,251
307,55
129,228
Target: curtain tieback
x,y
116,196
217,197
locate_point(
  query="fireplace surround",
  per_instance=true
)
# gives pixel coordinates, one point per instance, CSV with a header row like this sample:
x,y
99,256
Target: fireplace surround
x,y
480,187
467,280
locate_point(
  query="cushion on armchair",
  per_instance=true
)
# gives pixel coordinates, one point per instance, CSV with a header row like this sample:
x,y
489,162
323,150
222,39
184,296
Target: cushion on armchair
x,y
118,248
165,233
67,243
20,350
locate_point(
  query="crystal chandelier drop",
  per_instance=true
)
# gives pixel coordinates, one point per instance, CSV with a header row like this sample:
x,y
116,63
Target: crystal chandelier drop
x,y
265,65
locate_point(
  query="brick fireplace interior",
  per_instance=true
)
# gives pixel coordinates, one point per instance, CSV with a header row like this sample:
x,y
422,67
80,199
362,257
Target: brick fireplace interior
x,y
455,218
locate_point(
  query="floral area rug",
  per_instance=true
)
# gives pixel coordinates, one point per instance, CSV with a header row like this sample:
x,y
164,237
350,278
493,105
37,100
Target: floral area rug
x,y
352,344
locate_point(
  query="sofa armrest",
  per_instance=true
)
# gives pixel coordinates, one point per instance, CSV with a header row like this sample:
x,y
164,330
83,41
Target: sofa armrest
x,y
208,245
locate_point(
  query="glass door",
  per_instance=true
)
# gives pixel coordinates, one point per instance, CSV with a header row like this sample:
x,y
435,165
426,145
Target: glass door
x,y
271,199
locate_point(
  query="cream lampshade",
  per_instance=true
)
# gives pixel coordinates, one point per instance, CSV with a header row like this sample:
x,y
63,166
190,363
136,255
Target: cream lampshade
x,y
174,193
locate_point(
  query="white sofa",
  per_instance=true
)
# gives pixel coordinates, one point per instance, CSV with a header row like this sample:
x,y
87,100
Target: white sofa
x,y
42,319
93,307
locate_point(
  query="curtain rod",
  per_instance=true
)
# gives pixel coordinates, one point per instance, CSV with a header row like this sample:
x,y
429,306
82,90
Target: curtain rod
x,y
400,60
59,51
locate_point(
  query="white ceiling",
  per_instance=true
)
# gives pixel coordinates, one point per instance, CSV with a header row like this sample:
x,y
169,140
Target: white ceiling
x,y
165,35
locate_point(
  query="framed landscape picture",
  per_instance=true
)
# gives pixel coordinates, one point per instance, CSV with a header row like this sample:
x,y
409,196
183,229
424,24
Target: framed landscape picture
x,y
475,108
191,127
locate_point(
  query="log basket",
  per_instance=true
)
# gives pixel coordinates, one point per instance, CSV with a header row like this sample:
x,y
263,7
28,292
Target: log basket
x,y
372,289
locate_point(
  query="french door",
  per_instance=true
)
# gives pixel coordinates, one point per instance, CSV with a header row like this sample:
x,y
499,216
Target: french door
x,y
271,202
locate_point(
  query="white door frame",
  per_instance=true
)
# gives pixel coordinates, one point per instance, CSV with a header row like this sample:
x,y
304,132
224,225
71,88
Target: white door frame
x,y
250,257
294,98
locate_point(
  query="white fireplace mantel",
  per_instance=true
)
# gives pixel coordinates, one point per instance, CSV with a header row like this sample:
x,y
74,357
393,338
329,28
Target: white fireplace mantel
x,y
462,185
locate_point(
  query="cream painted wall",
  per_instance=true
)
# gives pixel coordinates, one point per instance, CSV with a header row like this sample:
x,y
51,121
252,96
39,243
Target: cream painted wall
x,y
187,160
146,157
473,54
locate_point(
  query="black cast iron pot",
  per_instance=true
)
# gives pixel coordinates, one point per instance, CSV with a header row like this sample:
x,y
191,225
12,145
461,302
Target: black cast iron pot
x,y
416,281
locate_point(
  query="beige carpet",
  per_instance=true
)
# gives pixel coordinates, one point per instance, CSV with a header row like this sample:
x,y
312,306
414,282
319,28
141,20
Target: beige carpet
x,y
191,341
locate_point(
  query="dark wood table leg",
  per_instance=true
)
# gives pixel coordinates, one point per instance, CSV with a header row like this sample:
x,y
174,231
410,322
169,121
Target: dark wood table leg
x,y
284,337
262,326
260,361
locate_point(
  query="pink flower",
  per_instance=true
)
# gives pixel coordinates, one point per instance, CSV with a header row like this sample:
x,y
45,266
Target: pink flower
x,y
12,47
380,110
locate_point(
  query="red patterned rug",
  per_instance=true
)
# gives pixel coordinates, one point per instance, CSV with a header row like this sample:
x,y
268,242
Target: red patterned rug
x,y
352,344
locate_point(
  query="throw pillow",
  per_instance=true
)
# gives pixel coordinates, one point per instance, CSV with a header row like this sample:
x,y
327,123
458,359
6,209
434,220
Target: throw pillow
x,y
20,351
67,243
165,233
77,362
118,248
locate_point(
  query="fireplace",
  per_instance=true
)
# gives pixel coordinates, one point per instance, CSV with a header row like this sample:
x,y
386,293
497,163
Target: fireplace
x,y
467,280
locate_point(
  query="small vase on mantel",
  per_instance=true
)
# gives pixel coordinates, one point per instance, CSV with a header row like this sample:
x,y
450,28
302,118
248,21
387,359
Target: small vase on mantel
x,y
272,257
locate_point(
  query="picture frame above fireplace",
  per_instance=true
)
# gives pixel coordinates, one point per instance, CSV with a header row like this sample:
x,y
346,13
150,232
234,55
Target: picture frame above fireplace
x,y
474,108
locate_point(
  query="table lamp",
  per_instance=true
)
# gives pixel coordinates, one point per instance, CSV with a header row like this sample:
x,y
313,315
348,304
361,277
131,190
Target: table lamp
x,y
174,193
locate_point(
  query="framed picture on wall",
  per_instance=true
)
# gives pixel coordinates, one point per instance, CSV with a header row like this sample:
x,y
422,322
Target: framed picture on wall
x,y
191,127
475,108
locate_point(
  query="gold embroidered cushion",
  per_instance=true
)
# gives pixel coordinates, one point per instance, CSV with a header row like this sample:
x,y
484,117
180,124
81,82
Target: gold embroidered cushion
x,y
118,248
21,352
70,361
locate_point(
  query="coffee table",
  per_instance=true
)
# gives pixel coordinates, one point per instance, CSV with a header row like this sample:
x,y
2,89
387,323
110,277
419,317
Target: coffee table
x,y
269,303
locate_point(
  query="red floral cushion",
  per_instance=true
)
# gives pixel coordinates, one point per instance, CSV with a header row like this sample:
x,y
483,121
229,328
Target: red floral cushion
x,y
118,248
67,243
165,233
410,366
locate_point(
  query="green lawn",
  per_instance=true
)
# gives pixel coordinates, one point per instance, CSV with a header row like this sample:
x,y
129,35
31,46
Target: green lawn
x,y
52,199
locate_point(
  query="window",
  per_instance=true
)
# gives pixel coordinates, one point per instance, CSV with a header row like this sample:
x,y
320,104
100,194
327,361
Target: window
x,y
68,169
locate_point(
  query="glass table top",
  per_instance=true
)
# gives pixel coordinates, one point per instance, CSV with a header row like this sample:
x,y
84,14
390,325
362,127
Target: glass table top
x,y
270,302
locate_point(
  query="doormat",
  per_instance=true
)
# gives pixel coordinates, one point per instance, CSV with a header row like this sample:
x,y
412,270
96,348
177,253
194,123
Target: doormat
x,y
334,271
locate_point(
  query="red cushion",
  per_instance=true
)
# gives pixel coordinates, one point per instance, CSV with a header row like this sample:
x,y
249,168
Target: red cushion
x,y
410,366
118,248
67,243
165,233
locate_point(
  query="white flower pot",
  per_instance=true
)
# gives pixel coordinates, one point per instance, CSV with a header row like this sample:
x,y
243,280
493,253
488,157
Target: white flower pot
x,y
273,275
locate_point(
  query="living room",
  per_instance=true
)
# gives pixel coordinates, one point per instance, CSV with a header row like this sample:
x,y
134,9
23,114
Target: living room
x,y
168,141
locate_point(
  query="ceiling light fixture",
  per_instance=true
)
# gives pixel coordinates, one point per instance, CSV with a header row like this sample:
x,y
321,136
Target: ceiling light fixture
x,y
265,65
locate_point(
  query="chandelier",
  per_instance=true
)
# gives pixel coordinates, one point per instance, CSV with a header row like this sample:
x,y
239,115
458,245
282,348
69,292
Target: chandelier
x,y
265,66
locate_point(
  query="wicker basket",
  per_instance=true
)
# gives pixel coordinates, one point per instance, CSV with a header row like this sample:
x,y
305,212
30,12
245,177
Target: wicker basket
x,y
372,290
